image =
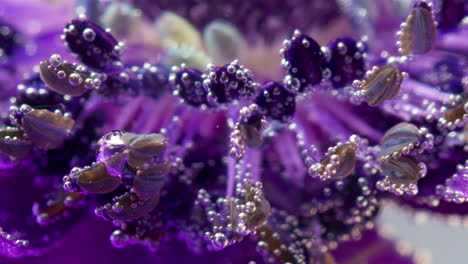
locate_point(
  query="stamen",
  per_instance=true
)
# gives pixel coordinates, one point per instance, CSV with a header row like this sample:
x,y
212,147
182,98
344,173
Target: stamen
x,y
381,84
46,129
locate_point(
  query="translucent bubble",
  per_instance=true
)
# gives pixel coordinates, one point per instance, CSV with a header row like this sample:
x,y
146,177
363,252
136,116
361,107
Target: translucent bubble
x,y
220,240
292,84
118,239
75,79
89,34
61,74
55,60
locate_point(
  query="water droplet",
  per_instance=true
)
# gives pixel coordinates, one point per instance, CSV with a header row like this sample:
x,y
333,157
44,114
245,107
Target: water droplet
x,y
75,79
61,74
55,60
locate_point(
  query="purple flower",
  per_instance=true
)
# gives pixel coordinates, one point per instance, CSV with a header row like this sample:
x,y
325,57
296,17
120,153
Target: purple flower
x,y
181,136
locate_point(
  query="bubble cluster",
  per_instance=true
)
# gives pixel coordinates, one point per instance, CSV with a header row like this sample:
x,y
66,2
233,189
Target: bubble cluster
x,y
67,78
304,60
129,159
95,47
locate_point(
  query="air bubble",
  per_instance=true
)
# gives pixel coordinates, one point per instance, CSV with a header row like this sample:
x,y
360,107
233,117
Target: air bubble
x,y
75,79
61,74
89,34
55,60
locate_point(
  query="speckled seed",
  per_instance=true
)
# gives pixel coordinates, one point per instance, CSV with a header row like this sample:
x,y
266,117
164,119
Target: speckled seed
x,y
304,60
346,61
128,207
276,101
383,84
398,137
55,206
258,217
149,181
228,83
458,110
143,148
345,163
64,78
419,34
13,142
92,44
188,84
404,170
95,179
46,129
251,135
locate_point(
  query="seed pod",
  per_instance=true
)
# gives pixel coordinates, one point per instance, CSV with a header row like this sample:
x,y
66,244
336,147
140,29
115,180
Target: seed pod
x,y
155,80
304,60
13,142
419,32
339,162
188,85
35,93
149,181
458,110
404,170
346,61
65,78
259,216
55,206
143,148
251,135
46,129
276,101
92,44
382,84
228,83
129,206
95,179
398,137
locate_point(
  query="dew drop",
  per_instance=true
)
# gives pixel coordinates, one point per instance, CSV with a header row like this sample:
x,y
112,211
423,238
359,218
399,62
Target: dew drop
x,y
61,74
55,60
89,34
75,79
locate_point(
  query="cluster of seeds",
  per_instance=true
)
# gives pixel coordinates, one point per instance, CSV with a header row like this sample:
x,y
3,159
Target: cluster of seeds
x,y
217,85
232,218
93,45
399,147
327,195
67,78
129,159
